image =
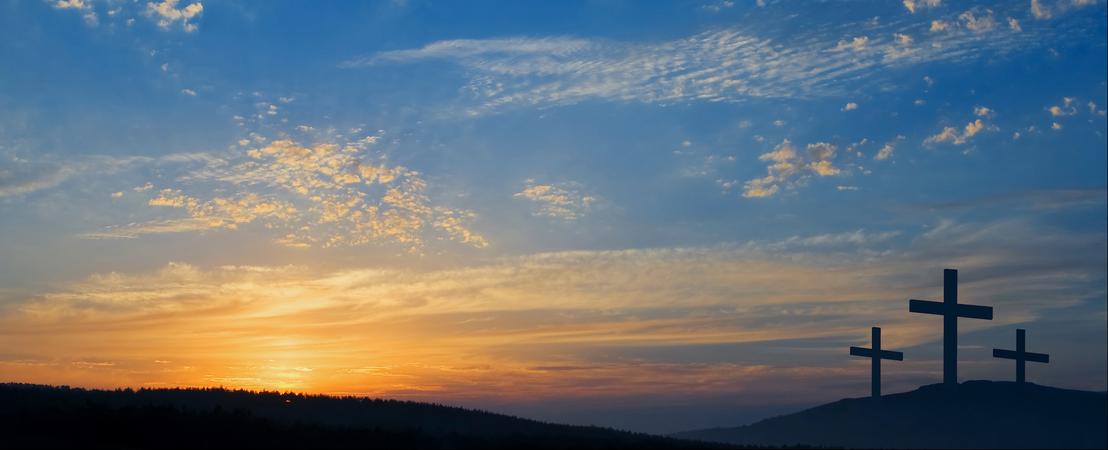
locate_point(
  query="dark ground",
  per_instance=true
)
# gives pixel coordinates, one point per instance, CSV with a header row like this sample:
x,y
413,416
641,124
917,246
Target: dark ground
x,y
34,416
978,414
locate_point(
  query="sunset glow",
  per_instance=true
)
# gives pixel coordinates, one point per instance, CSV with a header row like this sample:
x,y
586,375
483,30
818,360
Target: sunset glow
x,y
507,206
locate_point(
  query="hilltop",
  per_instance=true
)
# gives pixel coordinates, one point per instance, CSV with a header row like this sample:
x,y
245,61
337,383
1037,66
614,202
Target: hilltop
x,y
36,416
978,414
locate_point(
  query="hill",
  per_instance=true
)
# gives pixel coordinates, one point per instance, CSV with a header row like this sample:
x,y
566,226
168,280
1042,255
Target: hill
x,y
978,414
35,416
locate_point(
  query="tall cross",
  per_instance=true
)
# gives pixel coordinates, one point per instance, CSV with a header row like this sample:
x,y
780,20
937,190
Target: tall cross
x,y
951,311
1021,355
876,355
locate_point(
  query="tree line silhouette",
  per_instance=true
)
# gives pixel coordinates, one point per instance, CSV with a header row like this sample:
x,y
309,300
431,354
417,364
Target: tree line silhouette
x,y
37,416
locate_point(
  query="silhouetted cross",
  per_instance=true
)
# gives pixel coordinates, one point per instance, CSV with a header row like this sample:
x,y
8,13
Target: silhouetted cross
x,y
1021,355
951,311
876,355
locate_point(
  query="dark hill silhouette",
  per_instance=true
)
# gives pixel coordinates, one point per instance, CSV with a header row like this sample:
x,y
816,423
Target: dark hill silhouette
x,y
977,414
36,416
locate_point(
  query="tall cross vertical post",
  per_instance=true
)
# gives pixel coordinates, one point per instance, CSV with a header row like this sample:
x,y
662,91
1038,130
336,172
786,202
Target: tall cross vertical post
x,y
876,354
951,310
1021,355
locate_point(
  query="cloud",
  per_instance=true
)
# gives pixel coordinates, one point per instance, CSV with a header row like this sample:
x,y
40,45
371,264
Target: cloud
x,y
325,195
851,106
83,6
557,201
719,65
459,333
855,238
1067,108
21,177
1039,11
718,6
166,13
856,43
953,136
1034,200
913,5
885,152
982,111
939,26
789,168
1014,24
188,92
977,23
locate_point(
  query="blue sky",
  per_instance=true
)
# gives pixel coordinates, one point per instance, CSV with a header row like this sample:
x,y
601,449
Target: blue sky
x,y
702,196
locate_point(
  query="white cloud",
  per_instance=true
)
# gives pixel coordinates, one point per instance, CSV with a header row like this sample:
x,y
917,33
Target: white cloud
x,y
982,111
978,23
166,13
856,43
914,5
1014,24
851,106
789,168
188,92
82,6
885,152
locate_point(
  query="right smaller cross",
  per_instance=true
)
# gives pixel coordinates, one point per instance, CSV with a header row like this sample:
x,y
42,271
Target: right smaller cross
x,y
1021,355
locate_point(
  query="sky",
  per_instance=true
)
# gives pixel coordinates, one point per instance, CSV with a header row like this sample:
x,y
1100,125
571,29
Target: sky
x,y
654,216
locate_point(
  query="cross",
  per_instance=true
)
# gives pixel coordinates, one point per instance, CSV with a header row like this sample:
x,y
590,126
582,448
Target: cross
x,y
1021,355
951,311
876,355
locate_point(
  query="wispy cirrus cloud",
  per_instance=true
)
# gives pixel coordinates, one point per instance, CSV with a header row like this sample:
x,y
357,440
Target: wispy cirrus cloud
x,y
21,176
719,65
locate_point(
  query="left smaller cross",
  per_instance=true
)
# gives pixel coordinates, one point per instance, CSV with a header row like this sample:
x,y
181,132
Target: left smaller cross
x,y
876,354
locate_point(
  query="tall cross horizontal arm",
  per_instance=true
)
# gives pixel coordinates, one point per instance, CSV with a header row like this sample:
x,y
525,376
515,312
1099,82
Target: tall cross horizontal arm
x,y
975,311
940,308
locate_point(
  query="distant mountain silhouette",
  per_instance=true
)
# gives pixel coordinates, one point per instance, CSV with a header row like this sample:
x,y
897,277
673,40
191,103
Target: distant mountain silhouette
x,y
35,416
978,414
